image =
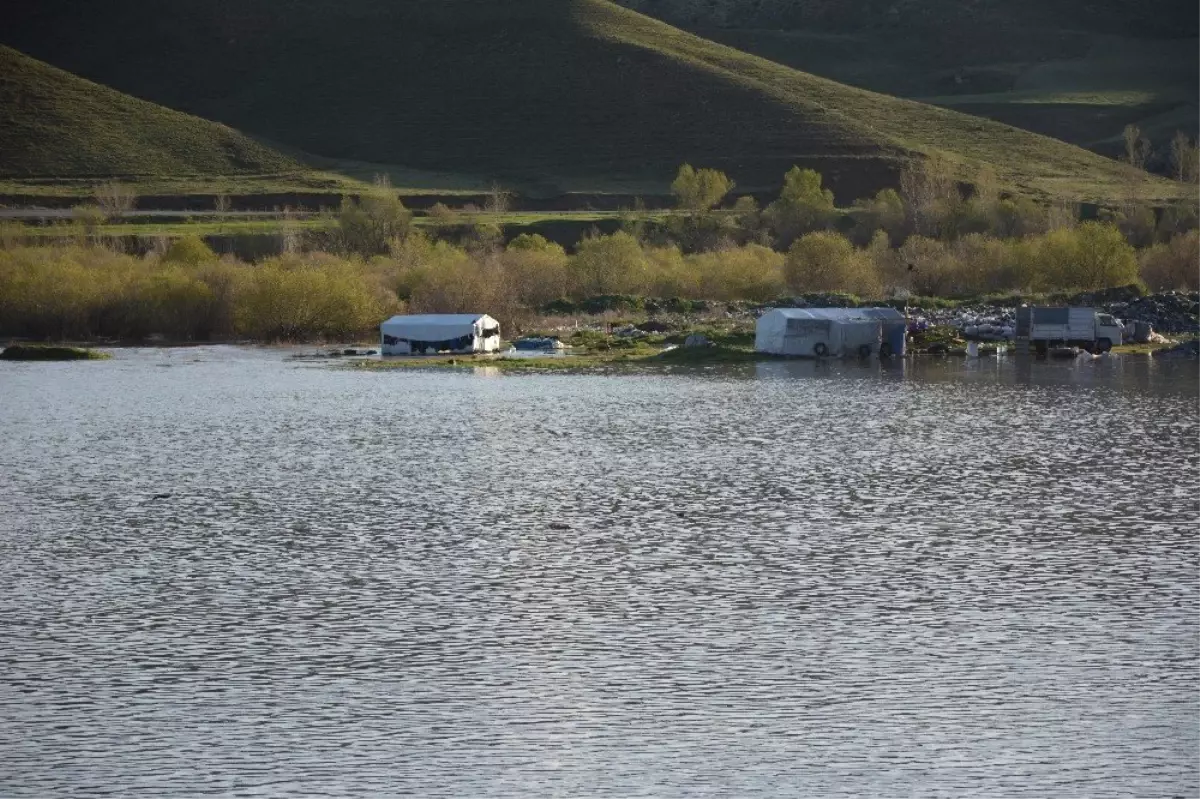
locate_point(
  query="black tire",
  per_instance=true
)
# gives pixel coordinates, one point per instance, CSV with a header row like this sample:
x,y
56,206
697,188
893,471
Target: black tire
x,y
820,350
885,350
864,351
1103,345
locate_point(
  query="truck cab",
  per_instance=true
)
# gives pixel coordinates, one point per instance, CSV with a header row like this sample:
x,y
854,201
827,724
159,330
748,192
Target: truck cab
x,y
1109,332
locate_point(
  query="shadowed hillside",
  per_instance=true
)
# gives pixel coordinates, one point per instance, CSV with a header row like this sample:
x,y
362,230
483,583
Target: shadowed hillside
x,y
556,91
1078,70
1164,18
57,125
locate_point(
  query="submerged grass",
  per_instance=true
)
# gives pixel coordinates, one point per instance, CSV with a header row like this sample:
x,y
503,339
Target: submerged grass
x,y
40,352
584,362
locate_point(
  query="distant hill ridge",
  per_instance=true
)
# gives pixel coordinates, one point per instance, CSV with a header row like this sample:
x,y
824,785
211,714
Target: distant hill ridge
x,y
527,90
1163,18
54,124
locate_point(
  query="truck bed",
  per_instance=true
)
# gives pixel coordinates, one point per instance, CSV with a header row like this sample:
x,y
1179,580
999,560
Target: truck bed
x,y
1056,324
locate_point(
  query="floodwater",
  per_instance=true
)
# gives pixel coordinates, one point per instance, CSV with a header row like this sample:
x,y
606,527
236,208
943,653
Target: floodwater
x,y
227,573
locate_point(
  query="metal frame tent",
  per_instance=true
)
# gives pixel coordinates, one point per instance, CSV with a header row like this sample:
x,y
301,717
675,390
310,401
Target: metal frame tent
x,y
831,332
429,334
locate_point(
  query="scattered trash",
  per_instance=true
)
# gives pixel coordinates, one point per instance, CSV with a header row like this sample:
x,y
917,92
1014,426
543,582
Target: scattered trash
x,y
533,343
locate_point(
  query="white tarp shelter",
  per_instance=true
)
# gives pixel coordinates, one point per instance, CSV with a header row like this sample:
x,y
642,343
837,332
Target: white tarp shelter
x,y
831,332
422,334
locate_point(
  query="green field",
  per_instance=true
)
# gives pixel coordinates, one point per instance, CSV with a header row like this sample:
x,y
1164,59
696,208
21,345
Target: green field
x,y
544,96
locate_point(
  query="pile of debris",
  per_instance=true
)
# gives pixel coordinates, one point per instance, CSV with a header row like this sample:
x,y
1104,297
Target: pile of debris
x,y
1171,312
975,322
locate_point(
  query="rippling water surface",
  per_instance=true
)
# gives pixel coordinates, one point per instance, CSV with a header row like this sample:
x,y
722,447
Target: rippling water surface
x,y
948,579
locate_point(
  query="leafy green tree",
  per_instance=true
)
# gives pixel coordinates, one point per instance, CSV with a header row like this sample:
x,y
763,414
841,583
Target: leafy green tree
x,y
1019,216
371,224
885,211
535,270
700,189
1104,257
827,261
1092,256
609,265
803,205
190,250
752,272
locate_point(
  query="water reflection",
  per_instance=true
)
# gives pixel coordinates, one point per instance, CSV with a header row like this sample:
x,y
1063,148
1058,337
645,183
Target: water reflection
x,y
246,575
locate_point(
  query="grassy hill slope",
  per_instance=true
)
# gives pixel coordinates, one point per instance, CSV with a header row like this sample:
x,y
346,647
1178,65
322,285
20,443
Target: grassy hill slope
x,y
1166,19
558,91
54,124
1078,70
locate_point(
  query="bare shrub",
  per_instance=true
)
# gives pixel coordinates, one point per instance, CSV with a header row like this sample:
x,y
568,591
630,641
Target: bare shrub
x,y
91,217
499,200
1174,265
930,192
115,199
442,217
1137,146
12,234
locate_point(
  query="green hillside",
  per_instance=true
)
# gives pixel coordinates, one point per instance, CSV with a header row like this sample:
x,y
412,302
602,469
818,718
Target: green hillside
x,y
54,124
570,93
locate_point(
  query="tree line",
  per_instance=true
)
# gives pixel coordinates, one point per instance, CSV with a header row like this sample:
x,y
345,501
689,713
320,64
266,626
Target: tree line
x,y
932,237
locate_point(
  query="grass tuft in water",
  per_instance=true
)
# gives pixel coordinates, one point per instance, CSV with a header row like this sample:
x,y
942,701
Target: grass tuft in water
x,y
40,352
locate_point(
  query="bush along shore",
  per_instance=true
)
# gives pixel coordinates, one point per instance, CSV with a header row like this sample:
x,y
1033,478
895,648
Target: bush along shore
x,y
899,248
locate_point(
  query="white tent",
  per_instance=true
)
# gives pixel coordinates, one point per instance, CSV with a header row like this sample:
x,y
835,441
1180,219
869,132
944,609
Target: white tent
x,y
831,332
422,334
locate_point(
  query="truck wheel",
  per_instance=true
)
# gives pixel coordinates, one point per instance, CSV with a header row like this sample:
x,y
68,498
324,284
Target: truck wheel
x,y
1103,345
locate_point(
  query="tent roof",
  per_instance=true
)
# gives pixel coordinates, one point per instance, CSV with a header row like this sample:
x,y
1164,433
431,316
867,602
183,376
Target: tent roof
x,y
841,314
436,319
